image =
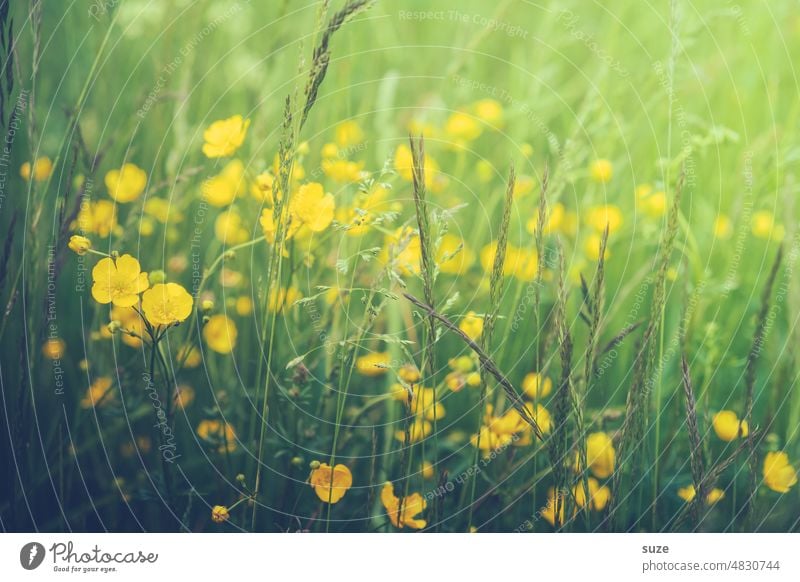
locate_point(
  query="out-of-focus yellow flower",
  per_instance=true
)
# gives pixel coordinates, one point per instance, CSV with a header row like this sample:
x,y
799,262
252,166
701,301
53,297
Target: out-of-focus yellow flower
x,y
600,454
330,485
262,188
222,189
654,205
601,171
423,403
722,227
54,348
348,133
127,183
453,256
600,216
420,428
764,226
312,207
490,111
598,496
79,244
130,324
118,282
373,364
162,210
403,514
98,217
779,474
461,127
726,425
404,164
409,373
534,387
184,396
548,512
166,304
190,356
42,168
229,230
225,136
520,263
282,299
427,470
219,514
244,305
592,247
523,185
343,171
218,434
554,220
98,393
472,325
403,246
220,334
688,494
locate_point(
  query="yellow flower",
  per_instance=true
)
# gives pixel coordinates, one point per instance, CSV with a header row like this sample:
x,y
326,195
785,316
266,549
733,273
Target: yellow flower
x,y
600,216
166,304
598,496
779,474
764,226
330,485
655,204
409,373
726,425
722,227
118,282
422,403
161,209
312,207
218,434
592,247
129,323
472,325
54,348
98,393
348,133
554,219
426,469
601,171
282,299
403,163
403,246
600,454
534,387
453,256
127,183
225,136
219,514
229,230
184,396
419,429
220,334
488,440
79,244
263,187
42,168
373,364
98,217
222,189
688,494
490,111
343,171
190,356
411,506
244,305
461,127
548,512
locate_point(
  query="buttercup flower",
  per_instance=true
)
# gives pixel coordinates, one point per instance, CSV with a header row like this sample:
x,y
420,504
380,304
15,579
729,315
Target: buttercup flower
x,y
348,133
98,393
312,207
166,304
54,348
600,454
99,218
535,387
219,434
601,171
373,364
779,474
599,496
42,168
726,425
472,325
688,494
453,256
127,183
411,506
219,514
184,396
79,244
224,137
130,324
222,189
220,334
330,485
118,282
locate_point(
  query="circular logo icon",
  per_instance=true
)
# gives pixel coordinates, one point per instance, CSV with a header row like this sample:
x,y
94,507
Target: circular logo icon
x,y
31,555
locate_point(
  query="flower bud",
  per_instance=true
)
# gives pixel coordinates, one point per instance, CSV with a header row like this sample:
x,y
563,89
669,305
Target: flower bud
x,y
207,305
157,277
314,465
114,326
